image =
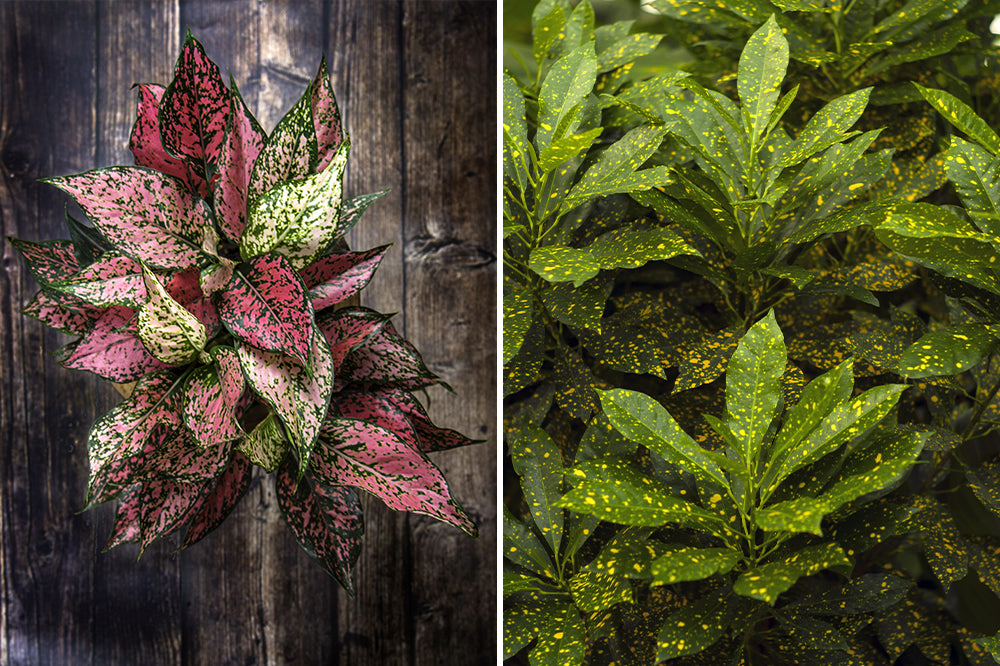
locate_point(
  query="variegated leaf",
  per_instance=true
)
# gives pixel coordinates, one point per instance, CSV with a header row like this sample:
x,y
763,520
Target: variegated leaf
x,y
185,288
361,454
113,279
244,140
49,261
52,312
166,505
265,305
214,277
194,109
352,209
326,521
147,146
111,350
375,408
386,358
212,394
213,508
289,153
298,219
429,436
126,527
266,445
174,454
147,215
335,278
347,328
300,395
170,333
326,118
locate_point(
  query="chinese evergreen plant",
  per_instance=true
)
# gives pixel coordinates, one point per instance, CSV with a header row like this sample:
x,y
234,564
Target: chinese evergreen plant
x,y
751,329
215,278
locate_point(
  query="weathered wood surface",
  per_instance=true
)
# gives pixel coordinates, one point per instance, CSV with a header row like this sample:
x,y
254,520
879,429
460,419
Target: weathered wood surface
x,y
416,85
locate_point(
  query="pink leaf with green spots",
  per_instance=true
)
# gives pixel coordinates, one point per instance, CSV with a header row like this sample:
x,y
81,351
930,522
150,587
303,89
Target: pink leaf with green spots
x,y
244,140
166,505
111,350
288,154
212,396
113,279
147,147
377,409
265,445
326,118
51,311
48,261
185,288
298,219
429,436
167,330
326,521
335,278
215,277
299,395
347,328
126,527
386,358
145,214
265,305
176,455
364,455
194,109
230,487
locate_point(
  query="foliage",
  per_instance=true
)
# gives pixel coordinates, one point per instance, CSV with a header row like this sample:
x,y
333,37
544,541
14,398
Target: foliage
x,y
751,322
215,277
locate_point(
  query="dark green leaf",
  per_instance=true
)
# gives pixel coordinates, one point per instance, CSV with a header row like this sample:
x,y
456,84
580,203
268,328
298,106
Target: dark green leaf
x,y
770,580
518,312
753,385
558,263
962,117
949,351
692,564
538,463
580,307
696,626
594,591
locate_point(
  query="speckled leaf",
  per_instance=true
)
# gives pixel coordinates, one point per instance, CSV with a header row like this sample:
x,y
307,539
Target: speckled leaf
x,y
643,420
347,328
290,152
170,333
515,132
949,351
144,213
521,546
126,527
992,644
976,176
594,591
213,508
326,118
628,247
761,71
243,143
626,50
704,361
214,277
49,261
970,259
298,219
803,514
298,395
696,625
826,127
943,544
518,311
770,580
566,148
352,209
194,109
335,278
875,467
265,445
265,305
212,395
386,358
376,408
52,312
538,463
617,169
361,454
166,505
692,564
562,638
962,117
575,384
558,263
147,146
569,80
326,520
429,436
867,593
110,349
579,307
111,280
753,384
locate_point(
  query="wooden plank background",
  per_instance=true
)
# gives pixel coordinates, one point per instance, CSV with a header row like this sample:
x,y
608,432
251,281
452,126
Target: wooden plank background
x,y
416,85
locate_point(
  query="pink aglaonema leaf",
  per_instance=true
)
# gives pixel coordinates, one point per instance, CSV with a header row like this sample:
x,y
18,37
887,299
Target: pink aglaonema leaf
x,y
288,154
147,146
266,445
111,350
335,278
298,219
176,455
146,214
347,328
166,505
386,358
230,487
265,305
212,396
166,328
429,436
123,432
114,279
215,277
126,528
299,394
195,109
377,409
185,288
326,521
244,140
49,261
367,456
51,311
352,209
326,118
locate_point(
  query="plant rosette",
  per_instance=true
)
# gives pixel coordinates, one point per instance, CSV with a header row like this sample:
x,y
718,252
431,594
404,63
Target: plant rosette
x,y
215,277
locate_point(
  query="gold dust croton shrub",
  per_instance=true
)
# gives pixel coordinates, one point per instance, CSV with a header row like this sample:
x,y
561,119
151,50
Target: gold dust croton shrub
x,y
214,277
751,333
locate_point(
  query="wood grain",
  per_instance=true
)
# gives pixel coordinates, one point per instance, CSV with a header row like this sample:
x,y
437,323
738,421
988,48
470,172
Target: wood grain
x,y
416,88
